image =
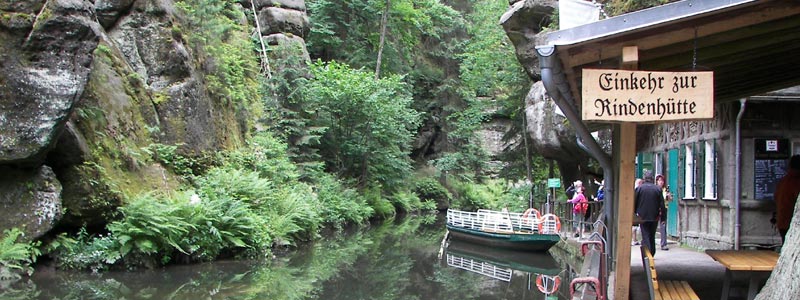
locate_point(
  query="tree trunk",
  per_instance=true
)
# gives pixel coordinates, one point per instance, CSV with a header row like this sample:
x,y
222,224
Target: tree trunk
x,y
782,284
528,172
384,20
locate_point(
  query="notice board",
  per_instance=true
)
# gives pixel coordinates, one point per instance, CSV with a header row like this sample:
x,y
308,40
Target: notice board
x,y
767,174
771,164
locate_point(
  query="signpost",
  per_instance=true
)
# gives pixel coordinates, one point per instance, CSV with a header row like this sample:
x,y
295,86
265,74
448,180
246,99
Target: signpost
x,y
629,97
553,184
646,96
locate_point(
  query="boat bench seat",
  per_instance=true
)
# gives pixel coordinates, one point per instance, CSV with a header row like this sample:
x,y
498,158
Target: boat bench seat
x,y
664,289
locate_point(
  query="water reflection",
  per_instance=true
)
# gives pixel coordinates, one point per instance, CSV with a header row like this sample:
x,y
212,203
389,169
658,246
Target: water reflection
x,y
394,260
524,272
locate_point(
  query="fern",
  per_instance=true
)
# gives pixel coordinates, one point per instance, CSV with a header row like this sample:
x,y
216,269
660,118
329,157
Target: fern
x,y
149,227
15,255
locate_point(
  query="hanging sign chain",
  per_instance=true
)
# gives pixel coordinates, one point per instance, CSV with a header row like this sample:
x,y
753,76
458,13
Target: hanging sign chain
x,y
694,51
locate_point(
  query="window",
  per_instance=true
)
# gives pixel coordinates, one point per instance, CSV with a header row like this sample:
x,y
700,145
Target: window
x,y
710,171
689,169
658,163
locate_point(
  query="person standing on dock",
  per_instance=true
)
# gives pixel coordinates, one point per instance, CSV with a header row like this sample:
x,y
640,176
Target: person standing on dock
x,y
649,205
786,196
661,182
580,205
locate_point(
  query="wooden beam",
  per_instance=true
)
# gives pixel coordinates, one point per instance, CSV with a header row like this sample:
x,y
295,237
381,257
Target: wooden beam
x,y
625,179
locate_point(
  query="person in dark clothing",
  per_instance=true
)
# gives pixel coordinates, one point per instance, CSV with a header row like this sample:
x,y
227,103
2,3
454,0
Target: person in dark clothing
x,y
786,195
649,205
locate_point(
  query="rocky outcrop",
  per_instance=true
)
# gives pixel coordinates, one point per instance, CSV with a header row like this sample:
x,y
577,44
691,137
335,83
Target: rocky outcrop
x,y
44,66
109,11
517,23
87,86
30,200
551,134
45,60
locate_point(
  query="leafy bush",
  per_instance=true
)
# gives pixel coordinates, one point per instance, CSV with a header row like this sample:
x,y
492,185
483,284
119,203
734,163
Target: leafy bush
x,y
369,123
429,189
266,155
85,251
294,215
15,255
383,208
338,204
223,224
168,156
150,226
472,196
287,209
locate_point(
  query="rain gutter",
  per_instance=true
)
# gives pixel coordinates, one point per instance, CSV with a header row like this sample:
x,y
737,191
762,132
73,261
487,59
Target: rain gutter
x,y
737,194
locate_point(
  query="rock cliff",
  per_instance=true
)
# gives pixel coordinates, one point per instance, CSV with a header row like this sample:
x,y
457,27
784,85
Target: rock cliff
x,y
88,87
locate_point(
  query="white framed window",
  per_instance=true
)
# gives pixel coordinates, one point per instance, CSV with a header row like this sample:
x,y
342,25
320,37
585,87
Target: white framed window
x,y
710,171
658,163
688,172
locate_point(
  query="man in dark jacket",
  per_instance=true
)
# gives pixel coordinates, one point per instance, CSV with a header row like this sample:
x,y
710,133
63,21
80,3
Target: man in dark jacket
x,y
649,205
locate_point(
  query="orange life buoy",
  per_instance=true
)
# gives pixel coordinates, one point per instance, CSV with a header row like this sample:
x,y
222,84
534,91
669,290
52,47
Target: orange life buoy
x,y
528,212
545,219
543,283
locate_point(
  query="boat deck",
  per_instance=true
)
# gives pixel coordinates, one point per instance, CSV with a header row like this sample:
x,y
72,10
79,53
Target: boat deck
x,y
530,222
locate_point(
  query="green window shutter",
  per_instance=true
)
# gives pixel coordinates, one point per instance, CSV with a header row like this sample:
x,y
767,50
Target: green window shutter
x,y
700,169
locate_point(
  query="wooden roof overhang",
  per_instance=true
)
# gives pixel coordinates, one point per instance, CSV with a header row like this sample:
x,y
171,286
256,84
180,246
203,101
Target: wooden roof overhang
x,y
752,46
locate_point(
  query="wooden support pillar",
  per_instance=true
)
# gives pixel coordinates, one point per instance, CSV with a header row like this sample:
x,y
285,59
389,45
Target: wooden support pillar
x,y
626,151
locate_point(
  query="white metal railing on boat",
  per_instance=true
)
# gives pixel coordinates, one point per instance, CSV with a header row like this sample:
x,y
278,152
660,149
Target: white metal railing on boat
x,y
504,222
479,267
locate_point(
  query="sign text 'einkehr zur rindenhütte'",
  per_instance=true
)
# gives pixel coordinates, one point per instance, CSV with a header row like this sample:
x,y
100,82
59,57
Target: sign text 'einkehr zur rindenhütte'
x,y
647,96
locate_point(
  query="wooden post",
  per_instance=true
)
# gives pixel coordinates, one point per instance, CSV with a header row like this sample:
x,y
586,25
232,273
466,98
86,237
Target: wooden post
x,y
626,159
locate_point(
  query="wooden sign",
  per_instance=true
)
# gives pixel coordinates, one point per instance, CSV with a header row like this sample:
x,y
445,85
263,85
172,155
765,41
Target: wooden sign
x,y
647,96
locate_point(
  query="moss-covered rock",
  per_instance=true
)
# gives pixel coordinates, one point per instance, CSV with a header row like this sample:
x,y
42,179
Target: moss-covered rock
x,y
30,200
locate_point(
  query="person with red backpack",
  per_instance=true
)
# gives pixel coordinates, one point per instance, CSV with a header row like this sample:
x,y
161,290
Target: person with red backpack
x,y
579,208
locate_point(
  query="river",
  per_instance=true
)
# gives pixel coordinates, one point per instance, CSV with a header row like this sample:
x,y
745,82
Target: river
x,y
398,259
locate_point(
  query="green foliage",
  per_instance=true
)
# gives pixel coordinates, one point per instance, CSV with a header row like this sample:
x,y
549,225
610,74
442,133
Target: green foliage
x,y
370,123
15,255
383,207
618,7
472,196
266,155
288,210
150,226
429,189
489,65
408,201
339,204
347,31
244,185
230,65
169,157
85,251
223,224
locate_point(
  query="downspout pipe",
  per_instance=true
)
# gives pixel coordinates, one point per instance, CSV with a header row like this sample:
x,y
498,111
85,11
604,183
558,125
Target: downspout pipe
x,y
557,86
737,194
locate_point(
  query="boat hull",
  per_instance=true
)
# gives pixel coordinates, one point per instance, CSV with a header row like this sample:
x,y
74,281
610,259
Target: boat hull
x,y
531,262
512,241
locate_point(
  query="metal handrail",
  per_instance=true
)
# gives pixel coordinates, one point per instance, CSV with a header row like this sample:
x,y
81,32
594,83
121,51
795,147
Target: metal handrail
x,y
503,221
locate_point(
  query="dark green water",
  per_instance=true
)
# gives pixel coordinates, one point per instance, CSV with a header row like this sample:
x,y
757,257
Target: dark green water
x,y
401,259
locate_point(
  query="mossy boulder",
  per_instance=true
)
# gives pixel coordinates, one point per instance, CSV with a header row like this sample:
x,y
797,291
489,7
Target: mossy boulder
x,y
30,200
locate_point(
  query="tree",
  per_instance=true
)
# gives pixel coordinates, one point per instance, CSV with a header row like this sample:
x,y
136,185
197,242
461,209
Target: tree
x,y
369,123
782,284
